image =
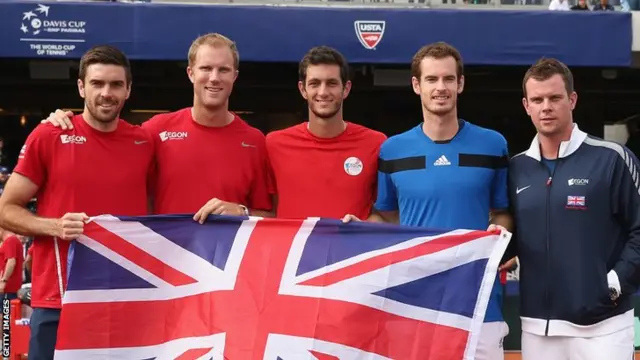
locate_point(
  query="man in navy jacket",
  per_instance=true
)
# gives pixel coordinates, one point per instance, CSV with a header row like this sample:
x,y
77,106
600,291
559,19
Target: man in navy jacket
x,y
576,203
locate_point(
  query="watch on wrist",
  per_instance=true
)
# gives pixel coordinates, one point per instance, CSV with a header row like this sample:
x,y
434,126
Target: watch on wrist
x,y
613,294
245,210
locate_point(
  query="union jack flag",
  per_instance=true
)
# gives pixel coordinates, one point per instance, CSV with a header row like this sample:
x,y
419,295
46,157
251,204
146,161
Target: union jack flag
x,y
244,288
575,200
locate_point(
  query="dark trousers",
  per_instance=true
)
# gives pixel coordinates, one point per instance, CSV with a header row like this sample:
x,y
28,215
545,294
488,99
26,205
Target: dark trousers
x,y
44,332
10,296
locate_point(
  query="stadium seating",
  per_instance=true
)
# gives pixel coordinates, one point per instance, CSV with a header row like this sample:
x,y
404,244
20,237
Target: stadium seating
x,y
475,4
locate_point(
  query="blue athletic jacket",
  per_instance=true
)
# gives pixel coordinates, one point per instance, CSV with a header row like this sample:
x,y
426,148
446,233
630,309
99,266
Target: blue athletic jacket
x,y
577,234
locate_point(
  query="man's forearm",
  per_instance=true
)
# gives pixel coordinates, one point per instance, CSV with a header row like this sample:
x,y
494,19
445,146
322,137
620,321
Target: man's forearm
x,y
21,221
262,213
502,218
8,269
375,217
386,217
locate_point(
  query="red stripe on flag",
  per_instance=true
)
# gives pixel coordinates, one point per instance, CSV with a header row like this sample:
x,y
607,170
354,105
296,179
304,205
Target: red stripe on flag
x,y
136,255
503,277
321,356
194,354
383,260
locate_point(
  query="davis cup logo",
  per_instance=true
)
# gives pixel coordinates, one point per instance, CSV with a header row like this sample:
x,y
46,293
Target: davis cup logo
x,y
369,32
31,22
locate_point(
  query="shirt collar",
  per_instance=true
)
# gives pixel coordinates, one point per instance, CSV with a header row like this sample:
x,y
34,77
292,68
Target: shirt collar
x,y
566,147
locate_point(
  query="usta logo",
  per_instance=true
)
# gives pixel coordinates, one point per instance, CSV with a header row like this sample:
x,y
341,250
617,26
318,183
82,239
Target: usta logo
x,y
73,139
370,32
173,135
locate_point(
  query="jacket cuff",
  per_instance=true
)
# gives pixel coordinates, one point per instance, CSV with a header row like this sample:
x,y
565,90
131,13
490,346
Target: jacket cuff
x,y
614,281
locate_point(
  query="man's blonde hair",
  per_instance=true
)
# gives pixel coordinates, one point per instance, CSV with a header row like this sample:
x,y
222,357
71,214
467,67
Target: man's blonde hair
x,y
215,40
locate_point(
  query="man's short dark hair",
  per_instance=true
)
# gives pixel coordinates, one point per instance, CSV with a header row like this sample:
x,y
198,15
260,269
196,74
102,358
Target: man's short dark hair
x,y
439,50
324,55
544,69
106,55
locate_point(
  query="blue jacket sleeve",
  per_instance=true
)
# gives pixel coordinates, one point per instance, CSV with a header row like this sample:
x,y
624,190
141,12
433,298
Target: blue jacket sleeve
x,y
625,200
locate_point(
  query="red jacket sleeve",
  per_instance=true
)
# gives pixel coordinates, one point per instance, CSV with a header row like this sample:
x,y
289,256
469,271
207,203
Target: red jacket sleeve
x,y
33,158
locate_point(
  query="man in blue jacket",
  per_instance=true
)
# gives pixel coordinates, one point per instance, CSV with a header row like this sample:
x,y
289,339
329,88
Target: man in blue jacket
x,y
576,203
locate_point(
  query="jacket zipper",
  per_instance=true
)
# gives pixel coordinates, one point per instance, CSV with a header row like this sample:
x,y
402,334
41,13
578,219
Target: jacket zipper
x,y
547,298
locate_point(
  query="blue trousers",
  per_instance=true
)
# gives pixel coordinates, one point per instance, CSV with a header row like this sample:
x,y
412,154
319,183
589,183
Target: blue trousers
x,y
44,332
10,296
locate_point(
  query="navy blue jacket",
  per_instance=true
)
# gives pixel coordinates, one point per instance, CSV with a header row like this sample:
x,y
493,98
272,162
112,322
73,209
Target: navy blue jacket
x,y
577,234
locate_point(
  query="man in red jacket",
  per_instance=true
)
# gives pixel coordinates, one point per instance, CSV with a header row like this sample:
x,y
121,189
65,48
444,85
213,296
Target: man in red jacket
x,y
326,167
11,251
100,167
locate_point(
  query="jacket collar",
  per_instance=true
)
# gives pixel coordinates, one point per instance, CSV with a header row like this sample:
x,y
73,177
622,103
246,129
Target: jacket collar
x,y
566,147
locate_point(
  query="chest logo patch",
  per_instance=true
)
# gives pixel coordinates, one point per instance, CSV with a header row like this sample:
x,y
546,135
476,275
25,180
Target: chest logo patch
x,y
578,182
173,135
577,202
353,166
73,139
442,161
